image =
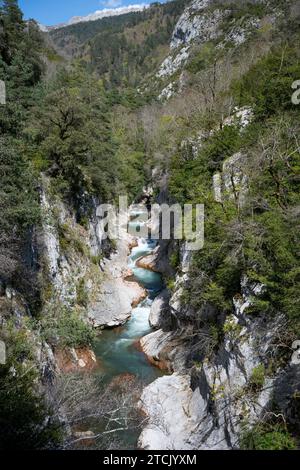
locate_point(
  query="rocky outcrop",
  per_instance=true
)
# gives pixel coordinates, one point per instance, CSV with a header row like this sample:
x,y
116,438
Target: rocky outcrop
x,y
69,249
75,360
77,263
174,414
232,182
159,260
167,92
117,294
156,347
197,22
115,302
165,349
149,262
216,397
158,309
172,63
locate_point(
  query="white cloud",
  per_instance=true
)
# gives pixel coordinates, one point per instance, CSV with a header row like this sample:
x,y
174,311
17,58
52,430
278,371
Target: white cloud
x,y
104,12
111,3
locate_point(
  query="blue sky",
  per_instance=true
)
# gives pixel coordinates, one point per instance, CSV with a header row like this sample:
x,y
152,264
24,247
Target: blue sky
x,y
49,12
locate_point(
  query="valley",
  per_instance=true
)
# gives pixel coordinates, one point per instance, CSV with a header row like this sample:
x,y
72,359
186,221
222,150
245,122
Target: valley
x,y
132,343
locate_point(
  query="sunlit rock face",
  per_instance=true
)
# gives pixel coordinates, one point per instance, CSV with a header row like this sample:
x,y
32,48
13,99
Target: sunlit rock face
x,y
210,403
172,63
174,409
197,22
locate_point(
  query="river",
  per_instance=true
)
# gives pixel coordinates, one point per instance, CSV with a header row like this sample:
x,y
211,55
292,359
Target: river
x,y
117,349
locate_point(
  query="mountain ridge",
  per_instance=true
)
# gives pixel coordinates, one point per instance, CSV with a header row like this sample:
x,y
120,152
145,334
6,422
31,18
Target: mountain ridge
x,y
97,15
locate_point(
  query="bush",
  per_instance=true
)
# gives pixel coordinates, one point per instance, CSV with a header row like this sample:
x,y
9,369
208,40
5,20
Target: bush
x,y
175,260
267,86
82,294
267,438
25,421
67,329
257,379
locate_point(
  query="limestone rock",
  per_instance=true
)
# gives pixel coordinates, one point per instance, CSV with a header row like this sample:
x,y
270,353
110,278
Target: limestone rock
x,y
114,305
158,307
164,350
173,410
196,22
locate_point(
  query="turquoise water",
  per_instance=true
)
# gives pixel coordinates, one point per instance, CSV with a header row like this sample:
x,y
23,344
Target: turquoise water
x,y
117,349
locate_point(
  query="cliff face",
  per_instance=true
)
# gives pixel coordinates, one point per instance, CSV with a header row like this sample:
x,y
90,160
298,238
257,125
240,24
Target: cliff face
x,y
82,271
228,362
206,23
212,400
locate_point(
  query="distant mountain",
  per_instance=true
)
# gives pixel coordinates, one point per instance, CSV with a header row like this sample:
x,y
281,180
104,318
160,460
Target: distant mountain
x,y
122,49
97,15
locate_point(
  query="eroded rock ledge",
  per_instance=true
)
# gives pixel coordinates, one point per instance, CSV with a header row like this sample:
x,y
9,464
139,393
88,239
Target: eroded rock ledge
x,y
175,414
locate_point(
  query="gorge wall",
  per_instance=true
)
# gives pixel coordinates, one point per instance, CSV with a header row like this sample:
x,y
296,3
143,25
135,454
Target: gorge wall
x,y
208,120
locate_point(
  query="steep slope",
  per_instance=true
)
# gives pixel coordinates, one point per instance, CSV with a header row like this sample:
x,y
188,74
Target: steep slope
x,y
122,49
230,327
187,102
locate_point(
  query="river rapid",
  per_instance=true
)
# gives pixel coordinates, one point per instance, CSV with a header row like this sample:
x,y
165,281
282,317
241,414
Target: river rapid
x,y
118,350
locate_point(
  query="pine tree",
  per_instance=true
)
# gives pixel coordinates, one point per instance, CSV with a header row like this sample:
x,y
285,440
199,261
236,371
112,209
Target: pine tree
x,y
12,26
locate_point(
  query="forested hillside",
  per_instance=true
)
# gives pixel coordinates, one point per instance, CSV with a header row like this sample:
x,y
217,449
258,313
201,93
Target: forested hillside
x,y
123,50
185,102
64,130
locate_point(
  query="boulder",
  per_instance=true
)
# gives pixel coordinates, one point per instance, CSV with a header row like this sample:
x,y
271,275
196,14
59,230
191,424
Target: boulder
x,y
173,410
158,307
114,305
164,350
75,360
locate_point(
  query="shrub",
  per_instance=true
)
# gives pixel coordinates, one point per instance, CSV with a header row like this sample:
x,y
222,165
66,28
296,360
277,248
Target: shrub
x,y
170,284
175,260
82,294
257,379
232,328
66,329
26,422
271,437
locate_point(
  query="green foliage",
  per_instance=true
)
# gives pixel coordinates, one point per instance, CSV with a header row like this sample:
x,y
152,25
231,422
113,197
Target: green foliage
x,y
122,49
257,379
18,344
62,326
202,58
82,294
267,86
258,239
214,294
241,11
171,284
96,259
267,437
232,328
221,145
20,65
175,259
26,423
18,197
20,69
72,129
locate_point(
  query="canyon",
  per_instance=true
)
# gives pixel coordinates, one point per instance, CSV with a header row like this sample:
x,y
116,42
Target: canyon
x,y
131,342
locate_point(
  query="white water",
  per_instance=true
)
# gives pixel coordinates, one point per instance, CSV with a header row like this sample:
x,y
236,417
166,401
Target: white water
x,y
116,348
